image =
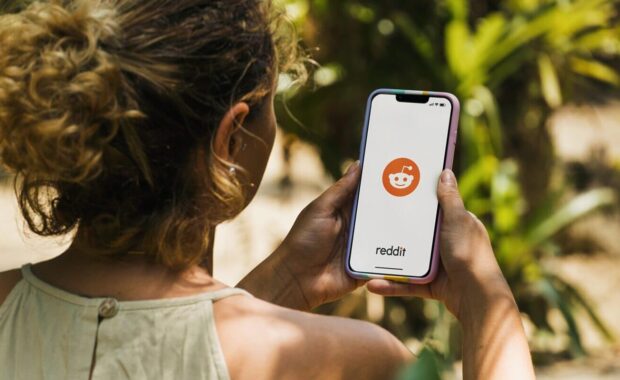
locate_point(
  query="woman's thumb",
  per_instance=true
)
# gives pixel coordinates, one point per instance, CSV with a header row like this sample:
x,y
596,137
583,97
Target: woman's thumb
x,y
337,195
449,196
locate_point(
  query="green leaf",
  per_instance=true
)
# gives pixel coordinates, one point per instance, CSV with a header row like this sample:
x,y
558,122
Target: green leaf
x,y
523,5
513,254
603,41
589,309
554,295
519,34
419,41
458,47
477,174
506,198
573,18
416,37
491,110
425,367
458,8
595,70
550,84
361,13
548,206
488,34
575,209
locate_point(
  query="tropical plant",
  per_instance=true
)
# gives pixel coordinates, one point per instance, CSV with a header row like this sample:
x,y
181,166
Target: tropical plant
x,y
511,63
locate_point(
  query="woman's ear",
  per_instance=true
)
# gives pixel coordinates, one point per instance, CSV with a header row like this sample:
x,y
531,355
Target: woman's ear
x,y
226,141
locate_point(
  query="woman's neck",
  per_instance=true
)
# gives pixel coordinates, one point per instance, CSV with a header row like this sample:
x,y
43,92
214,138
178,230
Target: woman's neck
x,y
130,277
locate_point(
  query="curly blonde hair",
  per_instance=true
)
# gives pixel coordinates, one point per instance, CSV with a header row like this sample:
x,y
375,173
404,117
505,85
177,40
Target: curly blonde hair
x,y
104,104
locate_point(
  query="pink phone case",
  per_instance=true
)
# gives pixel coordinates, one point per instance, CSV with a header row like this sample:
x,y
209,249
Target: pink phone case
x,y
448,160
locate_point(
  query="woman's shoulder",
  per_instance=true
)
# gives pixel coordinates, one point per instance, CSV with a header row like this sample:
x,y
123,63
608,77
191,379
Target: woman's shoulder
x,y
258,337
8,280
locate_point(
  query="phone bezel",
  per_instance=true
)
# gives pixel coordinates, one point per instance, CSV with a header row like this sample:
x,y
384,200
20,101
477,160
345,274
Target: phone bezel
x,y
448,161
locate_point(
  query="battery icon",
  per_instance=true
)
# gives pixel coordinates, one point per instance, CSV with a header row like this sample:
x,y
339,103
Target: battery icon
x,y
442,104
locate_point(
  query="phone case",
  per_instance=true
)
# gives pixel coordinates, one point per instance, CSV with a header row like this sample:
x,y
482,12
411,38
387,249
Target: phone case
x,y
449,159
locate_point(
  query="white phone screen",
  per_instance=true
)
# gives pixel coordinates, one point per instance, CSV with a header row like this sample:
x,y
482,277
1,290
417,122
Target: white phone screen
x,y
397,207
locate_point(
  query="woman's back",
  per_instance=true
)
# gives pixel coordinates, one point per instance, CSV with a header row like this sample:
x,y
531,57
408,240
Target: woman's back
x,y
50,333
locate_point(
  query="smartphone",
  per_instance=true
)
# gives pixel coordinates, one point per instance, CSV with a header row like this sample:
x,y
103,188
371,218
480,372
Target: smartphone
x,y
408,139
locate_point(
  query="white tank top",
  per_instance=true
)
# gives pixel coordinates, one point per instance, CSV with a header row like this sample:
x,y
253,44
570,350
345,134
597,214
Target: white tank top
x,y
48,333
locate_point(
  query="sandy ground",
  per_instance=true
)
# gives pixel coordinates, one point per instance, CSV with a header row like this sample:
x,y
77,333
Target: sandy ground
x,y
578,130
245,241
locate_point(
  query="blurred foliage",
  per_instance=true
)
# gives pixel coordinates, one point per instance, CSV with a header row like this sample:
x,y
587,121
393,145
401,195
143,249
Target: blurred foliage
x,y
511,63
427,366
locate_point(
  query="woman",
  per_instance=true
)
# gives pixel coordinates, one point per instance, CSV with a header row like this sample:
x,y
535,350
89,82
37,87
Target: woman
x,y
139,126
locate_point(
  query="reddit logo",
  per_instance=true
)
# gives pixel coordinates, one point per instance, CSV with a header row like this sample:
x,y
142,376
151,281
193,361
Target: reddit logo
x,y
401,177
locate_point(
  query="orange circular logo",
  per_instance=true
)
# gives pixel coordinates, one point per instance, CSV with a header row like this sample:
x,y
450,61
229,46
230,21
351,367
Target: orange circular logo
x,y
401,177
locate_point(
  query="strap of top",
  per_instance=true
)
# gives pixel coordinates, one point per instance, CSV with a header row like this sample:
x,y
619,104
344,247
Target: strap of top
x,y
227,292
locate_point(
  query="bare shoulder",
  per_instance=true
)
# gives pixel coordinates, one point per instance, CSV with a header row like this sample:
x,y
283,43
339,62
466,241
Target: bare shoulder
x,y
8,280
264,341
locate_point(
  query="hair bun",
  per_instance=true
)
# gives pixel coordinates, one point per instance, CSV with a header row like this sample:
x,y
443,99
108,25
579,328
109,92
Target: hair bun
x,y
61,99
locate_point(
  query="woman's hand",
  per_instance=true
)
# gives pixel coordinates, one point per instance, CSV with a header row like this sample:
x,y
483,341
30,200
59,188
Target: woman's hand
x,y
307,269
467,260
472,286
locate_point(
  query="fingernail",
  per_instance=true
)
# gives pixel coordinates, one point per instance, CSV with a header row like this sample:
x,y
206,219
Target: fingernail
x,y
447,177
352,168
